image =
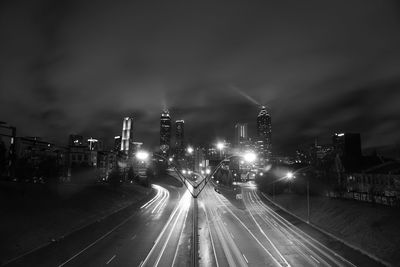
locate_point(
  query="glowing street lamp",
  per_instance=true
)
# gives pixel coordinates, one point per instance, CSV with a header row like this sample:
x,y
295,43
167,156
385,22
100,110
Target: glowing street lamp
x,y
142,155
208,171
249,157
290,175
190,150
220,146
170,159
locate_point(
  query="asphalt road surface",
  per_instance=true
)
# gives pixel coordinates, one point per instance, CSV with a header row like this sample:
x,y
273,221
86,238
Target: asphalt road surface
x,y
145,235
245,232
255,234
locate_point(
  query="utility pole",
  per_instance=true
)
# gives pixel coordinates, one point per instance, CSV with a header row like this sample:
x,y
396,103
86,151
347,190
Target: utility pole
x,y
308,201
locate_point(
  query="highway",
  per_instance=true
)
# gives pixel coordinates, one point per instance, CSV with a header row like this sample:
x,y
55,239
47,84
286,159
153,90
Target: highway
x,y
231,232
152,234
255,235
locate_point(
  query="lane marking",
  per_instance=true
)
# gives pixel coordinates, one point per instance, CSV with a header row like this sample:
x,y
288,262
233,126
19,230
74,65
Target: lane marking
x,y
244,256
133,237
255,238
103,236
301,234
212,240
110,259
171,217
232,235
180,237
314,258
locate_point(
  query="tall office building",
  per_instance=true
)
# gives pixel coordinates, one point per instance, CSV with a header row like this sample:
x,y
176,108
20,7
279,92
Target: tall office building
x,y
347,144
264,131
165,131
127,135
241,135
179,133
117,143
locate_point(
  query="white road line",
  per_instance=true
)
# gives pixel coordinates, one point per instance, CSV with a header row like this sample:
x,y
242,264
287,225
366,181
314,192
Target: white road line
x,y
301,234
314,258
232,235
212,240
180,236
110,259
133,237
165,227
102,237
244,256
251,233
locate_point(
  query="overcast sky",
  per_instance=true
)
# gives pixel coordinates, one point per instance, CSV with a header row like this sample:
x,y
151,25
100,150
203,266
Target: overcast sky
x,y
81,66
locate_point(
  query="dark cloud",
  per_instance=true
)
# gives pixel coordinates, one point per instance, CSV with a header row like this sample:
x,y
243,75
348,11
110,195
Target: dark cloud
x,y
80,66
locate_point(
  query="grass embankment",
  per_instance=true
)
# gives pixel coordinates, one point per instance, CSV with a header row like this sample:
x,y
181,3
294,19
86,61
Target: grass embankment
x,y
373,228
32,215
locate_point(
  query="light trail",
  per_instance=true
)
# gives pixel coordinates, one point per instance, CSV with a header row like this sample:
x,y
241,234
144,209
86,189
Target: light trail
x,y
286,235
302,235
183,206
157,196
284,263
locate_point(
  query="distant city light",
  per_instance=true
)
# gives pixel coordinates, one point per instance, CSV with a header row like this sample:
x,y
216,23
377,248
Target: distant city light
x,y
220,146
183,171
170,159
208,171
142,155
249,156
190,150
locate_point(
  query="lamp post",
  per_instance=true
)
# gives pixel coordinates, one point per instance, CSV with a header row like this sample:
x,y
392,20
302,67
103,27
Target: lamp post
x,y
289,176
220,147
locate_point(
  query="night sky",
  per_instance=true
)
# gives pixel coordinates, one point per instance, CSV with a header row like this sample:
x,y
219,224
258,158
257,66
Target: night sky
x,y
81,66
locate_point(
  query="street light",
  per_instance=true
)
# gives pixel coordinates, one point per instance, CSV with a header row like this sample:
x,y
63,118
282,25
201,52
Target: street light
x,y
142,155
290,175
220,146
249,157
190,150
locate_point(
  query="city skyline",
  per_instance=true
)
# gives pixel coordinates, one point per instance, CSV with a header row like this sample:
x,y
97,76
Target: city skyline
x,y
317,78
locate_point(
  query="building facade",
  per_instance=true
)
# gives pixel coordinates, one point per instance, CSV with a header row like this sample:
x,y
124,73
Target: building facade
x,y
241,134
165,131
127,135
264,132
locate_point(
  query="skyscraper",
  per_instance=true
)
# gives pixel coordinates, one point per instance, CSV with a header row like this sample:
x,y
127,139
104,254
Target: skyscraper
x,y
180,133
347,144
127,135
241,135
264,131
117,143
165,131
